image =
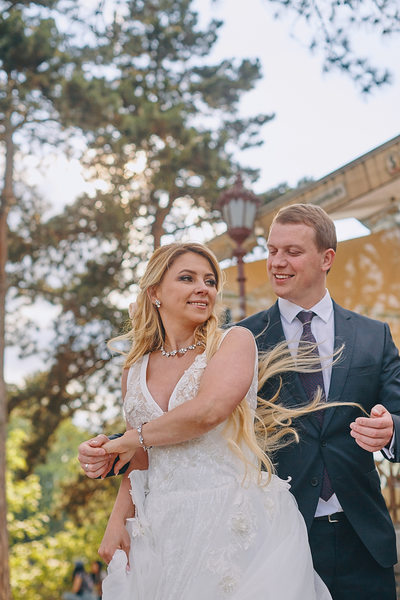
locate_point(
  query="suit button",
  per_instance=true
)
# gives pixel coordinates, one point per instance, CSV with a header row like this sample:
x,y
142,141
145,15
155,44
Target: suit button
x,y
323,443
314,481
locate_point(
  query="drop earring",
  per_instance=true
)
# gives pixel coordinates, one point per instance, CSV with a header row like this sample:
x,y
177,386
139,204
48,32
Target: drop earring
x,y
157,303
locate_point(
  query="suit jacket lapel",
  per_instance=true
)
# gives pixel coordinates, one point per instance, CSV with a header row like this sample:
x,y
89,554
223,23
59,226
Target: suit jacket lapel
x,y
271,332
344,335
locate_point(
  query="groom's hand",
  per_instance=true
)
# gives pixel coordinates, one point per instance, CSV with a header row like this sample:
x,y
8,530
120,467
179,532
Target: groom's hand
x,y
375,432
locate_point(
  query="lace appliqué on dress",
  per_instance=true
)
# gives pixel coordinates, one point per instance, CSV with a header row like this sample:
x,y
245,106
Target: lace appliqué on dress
x,y
243,528
188,385
136,407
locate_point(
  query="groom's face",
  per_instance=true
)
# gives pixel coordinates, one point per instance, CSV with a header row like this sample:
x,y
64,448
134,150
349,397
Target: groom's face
x,y
296,267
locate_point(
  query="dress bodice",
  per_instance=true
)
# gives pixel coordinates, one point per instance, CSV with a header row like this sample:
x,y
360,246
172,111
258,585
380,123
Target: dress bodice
x,y
207,460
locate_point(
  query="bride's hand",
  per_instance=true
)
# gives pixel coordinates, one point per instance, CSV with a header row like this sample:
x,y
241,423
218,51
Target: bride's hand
x,y
125,446
115,537
94,461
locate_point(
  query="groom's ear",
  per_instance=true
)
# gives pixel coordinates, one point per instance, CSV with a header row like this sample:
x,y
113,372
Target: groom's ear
x,y
327,259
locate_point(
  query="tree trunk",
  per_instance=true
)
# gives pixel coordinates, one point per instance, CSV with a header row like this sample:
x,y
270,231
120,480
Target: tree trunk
x,y
157,228
7,197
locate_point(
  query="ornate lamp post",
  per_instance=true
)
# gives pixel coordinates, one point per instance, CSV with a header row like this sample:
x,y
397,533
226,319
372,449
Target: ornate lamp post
x,y
239,207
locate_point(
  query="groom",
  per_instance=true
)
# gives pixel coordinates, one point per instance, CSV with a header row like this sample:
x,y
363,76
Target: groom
x,y
333,475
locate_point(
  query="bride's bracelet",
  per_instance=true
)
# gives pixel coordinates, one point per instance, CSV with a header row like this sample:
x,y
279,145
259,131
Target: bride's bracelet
x,y
141,440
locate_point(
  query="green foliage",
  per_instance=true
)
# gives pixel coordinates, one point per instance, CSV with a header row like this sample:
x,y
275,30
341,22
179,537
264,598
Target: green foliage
x,y
61,468
44,539
25,522
25,45
173,131
41,569
33,62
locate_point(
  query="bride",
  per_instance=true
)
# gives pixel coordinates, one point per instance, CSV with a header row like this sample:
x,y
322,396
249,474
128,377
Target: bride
x,y
196,517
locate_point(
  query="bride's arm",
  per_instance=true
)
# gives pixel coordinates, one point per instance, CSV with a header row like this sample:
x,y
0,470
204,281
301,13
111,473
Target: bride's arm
x,y
116,535
225,382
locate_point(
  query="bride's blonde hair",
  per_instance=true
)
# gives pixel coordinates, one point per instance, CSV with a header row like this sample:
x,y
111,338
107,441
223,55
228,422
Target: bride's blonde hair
x,y
273,427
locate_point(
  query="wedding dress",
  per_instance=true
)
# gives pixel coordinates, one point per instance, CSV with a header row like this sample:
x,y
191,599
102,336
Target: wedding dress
x,y
204,529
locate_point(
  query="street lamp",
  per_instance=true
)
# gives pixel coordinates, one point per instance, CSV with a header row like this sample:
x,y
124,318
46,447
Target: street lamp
x,y
239,207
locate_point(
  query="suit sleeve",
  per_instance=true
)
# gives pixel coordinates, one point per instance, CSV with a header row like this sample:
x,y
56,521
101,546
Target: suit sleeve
x,y
396,449
390,387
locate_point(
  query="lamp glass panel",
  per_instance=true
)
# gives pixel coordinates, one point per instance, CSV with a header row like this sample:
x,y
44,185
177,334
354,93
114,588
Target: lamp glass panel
x,y
226,215
237,209
250,215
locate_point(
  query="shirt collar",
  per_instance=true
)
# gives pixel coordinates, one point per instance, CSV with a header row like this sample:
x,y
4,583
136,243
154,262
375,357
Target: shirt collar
x,y
322,309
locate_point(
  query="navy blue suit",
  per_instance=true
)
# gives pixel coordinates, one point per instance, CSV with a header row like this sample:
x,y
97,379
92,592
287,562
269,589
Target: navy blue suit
x,y
367,373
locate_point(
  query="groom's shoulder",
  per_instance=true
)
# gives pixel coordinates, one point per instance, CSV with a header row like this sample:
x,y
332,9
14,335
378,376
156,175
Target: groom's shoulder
x,y
258,321
358,319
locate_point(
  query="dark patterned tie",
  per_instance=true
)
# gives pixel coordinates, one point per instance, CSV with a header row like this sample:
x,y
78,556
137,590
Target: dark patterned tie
x,y
311,382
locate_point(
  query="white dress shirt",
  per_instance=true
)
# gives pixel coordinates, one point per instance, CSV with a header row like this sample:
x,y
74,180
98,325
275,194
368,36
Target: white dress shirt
x,y
323,329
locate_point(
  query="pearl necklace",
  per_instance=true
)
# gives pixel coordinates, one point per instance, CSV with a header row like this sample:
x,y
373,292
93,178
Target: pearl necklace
x,y
179,350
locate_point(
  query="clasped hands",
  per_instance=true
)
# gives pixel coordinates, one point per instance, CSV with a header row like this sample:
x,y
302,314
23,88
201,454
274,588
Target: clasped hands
x,y
375,432
98,454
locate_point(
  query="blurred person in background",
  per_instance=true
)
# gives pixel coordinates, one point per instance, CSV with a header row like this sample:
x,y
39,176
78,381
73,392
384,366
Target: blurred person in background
x,y
97,575
82,584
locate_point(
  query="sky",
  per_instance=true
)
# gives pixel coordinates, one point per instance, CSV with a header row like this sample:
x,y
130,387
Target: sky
x,y
322,121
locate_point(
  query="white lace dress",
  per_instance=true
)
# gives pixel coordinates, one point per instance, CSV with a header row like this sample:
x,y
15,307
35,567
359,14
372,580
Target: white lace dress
x,y
202,532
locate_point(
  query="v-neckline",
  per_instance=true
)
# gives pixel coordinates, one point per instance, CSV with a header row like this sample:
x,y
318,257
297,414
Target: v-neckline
x,y
145,389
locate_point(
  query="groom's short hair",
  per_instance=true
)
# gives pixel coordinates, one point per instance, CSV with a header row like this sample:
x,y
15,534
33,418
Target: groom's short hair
x,y
313,216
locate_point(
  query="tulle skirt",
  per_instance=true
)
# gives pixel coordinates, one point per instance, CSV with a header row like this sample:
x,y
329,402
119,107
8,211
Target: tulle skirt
x,y
235,541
